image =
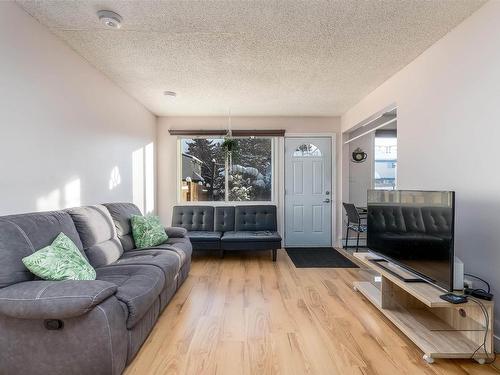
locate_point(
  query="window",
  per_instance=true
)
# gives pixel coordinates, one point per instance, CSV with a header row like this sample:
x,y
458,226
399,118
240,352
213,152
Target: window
x,y
307,150
204,169
386,161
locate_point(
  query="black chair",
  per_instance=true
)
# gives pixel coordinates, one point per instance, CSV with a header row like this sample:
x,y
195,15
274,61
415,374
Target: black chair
x,y
353,223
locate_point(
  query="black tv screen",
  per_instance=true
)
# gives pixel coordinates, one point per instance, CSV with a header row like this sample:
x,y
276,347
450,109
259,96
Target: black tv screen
x,y
415,230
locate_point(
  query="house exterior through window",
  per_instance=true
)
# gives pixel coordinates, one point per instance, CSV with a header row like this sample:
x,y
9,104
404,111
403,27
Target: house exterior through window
x,y
208,174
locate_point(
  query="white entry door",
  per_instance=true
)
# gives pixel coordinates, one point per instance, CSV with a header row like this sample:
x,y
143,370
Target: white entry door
x,y
308,192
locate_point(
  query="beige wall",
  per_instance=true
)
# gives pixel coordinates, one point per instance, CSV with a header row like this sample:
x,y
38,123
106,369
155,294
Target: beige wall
x,y
167,146
361,174
64,126
448,134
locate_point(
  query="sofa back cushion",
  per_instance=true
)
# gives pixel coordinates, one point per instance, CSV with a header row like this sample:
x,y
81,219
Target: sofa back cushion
x,y
98,234
224,218
437,220
386,219
413,219
255,218
22,235
121,214
194,218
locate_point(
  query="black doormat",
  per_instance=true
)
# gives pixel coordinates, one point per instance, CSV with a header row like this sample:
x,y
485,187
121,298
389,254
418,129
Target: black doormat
x,y
313,257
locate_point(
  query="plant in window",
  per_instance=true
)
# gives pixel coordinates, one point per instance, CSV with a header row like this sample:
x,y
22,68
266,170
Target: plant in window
x,y
229,146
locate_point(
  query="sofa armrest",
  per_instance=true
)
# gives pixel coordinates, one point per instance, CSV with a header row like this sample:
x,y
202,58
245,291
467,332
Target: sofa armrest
x,y
176,232
53,299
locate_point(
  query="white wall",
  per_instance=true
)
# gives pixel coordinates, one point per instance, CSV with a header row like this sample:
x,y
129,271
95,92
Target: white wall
x,y
167,146
361,174
448,133
64,127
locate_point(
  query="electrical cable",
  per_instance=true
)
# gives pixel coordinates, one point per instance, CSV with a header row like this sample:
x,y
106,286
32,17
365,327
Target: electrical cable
x,y
478,278
489,361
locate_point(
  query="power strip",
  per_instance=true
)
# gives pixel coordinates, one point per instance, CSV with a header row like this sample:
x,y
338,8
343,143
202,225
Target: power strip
x,y
478,293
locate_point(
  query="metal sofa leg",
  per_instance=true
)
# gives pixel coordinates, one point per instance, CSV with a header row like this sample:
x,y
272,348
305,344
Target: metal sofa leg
x,y
221,253
275,253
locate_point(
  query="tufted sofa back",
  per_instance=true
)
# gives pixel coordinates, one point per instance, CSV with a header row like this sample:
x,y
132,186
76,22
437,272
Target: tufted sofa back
x,y
224,218
429,220
255,218
386,219
437,220
194,218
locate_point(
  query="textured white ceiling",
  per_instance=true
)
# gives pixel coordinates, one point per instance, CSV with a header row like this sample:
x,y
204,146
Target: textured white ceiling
x,y
293,58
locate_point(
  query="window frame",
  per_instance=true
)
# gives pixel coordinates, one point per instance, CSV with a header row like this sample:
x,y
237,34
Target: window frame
x,y
394,162
312,154
226,201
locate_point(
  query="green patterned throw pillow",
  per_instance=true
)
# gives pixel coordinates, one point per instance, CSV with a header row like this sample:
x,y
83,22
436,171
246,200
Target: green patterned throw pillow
x,y
60,261
147,231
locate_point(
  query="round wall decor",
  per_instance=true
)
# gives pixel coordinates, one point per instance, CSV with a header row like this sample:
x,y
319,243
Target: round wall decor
x,y
359,156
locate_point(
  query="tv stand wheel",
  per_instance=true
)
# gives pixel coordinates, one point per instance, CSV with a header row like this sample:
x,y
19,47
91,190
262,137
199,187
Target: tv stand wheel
x,y
481,361
428,359
355,288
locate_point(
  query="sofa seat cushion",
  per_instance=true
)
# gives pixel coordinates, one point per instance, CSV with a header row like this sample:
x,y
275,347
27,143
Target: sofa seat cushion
x,y
204,236
169,262
251,236
138,287
184,255
183,244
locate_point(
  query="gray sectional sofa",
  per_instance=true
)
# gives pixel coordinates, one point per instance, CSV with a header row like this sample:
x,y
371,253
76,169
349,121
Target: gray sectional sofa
x,y
83,327
229,228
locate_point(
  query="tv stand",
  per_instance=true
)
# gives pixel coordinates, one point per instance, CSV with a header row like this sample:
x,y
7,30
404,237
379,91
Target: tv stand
x,y
440,329
396,271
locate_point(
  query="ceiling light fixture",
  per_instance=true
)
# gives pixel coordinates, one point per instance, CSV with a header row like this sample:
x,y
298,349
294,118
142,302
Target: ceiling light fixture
x,y
170,93
110,19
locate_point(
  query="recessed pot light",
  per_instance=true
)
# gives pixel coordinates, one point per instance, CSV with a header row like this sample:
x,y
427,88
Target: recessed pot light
x,y
170,93
110,19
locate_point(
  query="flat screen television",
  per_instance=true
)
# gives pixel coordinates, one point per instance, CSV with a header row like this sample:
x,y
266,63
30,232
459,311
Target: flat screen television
x,y
415,230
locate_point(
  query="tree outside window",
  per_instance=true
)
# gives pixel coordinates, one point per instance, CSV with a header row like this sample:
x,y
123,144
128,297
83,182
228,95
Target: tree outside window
x,y
204,170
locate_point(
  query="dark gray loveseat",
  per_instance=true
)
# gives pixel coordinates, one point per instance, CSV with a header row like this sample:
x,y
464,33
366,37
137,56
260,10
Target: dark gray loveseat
x,y
229,228
83,327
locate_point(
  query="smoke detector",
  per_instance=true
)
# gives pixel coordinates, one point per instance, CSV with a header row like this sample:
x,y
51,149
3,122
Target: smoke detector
x,y
110,19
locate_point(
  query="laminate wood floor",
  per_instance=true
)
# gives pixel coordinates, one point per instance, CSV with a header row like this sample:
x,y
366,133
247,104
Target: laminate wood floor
x,y
245,314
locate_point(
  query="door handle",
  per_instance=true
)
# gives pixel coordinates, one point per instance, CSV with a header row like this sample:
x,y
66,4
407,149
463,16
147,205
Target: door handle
x,y
327,200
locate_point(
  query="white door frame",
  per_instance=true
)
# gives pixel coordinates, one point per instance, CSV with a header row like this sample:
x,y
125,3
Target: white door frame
x,y
281,178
